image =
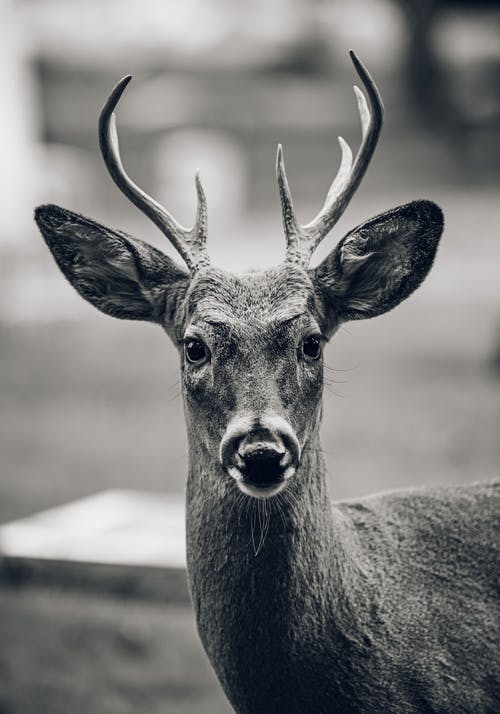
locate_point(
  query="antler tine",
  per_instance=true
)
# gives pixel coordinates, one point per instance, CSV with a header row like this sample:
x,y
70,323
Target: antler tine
x,y
190,243
302,240
289,222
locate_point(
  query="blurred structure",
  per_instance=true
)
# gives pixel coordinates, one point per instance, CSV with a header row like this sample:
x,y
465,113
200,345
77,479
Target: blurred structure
x,y
217,86
452,63
19,130
250,72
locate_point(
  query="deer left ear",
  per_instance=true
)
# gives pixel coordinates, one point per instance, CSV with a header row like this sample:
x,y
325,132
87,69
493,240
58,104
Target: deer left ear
x,y
380,263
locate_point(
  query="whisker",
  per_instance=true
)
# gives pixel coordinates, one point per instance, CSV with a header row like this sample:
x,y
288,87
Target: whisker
x,y
267,521
291,498
280,510
242,508
342,369
175,390
316,449
252,526
234,505
260,508
344,329
333,391
247,511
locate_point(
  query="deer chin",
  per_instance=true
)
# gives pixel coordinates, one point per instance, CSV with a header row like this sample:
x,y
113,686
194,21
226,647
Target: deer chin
x,y
261,490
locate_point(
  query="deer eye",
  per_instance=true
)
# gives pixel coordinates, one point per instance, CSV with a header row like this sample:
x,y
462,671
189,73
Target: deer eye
x,y
196,352
311,347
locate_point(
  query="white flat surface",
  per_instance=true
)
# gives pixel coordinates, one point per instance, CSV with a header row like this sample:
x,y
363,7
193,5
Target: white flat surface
x,y
117,527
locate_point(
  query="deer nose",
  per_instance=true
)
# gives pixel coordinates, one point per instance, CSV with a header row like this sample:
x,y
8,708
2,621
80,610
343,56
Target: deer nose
x,y
261,455
262,462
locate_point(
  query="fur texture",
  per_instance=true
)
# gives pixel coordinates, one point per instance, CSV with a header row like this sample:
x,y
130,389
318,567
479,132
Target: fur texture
x,y
387,604
381,262
120,275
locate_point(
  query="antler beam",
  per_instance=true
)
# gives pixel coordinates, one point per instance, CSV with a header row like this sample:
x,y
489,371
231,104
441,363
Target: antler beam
x,y
190,243
302,240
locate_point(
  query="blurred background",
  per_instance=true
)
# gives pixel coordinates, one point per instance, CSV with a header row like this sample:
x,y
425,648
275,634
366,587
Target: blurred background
x,y
89,403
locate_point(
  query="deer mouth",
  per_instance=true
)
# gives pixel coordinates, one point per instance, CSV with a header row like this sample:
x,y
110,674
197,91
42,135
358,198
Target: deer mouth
x,y
263,491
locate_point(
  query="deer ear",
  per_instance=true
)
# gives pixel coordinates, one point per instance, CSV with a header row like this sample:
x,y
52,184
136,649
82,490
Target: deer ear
x,y
380,263
121,276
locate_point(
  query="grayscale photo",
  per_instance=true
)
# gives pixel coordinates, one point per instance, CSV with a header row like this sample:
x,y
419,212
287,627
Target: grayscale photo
x,y
249,357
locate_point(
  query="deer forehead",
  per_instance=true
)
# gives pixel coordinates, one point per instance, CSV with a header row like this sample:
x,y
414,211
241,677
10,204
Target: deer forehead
x,y
259,299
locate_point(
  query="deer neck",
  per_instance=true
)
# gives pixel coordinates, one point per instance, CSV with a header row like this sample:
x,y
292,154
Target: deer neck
x,y
261,586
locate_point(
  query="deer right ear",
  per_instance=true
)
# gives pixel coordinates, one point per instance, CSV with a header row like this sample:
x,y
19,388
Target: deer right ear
x,y
379,263
121,276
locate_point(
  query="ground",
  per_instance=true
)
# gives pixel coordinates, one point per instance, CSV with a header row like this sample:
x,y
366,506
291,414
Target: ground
x,y
126,656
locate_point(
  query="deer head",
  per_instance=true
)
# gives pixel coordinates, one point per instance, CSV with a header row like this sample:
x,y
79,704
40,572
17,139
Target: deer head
x,y
250,345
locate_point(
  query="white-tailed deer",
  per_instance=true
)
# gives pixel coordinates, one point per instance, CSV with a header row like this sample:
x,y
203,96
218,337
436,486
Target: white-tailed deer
x,y
386,604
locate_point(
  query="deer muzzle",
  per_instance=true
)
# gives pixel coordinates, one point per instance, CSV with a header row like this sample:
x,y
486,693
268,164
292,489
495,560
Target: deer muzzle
x,y
260,453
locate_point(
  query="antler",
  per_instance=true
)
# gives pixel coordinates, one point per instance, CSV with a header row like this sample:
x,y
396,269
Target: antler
x,y
303,240
190,243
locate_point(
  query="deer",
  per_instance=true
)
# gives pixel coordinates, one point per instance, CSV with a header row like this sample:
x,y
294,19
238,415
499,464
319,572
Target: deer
x,y
387,603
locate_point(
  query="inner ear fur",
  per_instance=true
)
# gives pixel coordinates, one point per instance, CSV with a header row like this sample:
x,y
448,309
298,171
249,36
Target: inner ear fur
x,y
381,262
120,275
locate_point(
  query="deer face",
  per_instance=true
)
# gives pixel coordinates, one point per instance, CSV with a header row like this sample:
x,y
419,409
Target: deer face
x,y
251,346
252,371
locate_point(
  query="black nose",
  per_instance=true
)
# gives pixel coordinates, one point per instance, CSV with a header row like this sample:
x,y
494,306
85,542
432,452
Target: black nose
x,y
262,458
260,453
262,462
